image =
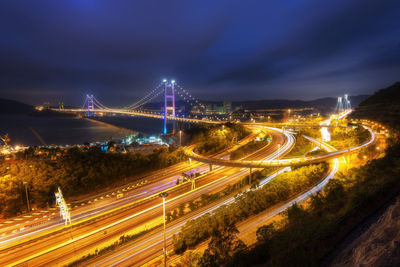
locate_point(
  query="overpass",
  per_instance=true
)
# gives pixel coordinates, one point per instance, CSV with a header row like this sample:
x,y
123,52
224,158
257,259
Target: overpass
x,y
280,162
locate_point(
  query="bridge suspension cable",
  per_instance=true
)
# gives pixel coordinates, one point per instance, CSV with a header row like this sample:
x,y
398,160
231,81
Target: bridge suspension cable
x,y
84,103
189,98
148,100
150,96
99,104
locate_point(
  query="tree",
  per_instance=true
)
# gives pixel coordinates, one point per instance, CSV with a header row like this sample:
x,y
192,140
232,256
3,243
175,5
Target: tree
x,y
265,232
189,259
224,244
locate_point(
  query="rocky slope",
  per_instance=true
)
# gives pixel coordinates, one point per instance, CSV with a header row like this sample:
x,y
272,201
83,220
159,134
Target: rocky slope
x,y
379,245
383,106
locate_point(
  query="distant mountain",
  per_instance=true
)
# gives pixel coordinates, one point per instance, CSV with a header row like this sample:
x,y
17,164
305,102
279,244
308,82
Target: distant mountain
x,y
383,106
324,105
8,106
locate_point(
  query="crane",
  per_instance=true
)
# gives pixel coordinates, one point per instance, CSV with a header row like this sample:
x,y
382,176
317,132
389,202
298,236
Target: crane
x,y
5,139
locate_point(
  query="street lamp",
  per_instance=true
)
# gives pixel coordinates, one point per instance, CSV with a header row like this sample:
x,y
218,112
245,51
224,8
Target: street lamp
x,y
163,195
27,198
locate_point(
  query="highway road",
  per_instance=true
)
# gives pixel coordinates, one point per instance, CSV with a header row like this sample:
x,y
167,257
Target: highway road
x,y
150,246
141,114
61,247
157,181
92,233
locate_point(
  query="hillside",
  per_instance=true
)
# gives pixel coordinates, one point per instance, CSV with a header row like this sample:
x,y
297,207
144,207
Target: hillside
x,y
378,246
383,106
8,106
324,105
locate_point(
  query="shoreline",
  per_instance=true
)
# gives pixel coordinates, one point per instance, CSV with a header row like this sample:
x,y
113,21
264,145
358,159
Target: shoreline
x,y
122,129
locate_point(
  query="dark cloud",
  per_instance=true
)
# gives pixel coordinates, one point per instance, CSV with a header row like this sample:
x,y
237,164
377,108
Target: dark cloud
x,y
118,50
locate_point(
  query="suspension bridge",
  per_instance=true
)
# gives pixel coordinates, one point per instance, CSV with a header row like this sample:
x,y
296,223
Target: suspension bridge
x,y
169,89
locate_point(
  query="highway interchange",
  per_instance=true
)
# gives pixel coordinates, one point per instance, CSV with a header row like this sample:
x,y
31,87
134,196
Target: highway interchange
x,y
103,222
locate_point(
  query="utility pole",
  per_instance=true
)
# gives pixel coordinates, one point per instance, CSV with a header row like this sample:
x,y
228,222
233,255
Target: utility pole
x,y
163,195
64,210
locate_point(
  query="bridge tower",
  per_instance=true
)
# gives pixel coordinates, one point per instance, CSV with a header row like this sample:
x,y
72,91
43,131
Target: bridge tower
x,y
90,104
347,102
169,102
339,106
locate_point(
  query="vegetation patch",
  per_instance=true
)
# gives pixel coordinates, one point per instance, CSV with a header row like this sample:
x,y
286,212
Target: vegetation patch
x,y
248,148
76,172
122,240
214,138
342,138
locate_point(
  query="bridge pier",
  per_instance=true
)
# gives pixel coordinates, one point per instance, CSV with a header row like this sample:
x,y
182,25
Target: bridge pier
x,y
249,176
193,183
211,167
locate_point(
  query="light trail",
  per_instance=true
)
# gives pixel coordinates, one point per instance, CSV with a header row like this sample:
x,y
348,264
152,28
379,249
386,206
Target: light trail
x,y
171,230
298,199
215,182
290,141
171,183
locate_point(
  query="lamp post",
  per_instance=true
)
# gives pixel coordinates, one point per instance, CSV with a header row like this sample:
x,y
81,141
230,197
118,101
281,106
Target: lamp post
x,y
163,195
27,198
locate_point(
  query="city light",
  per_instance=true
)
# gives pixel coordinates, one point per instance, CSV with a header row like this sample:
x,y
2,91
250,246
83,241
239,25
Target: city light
x,y
256,157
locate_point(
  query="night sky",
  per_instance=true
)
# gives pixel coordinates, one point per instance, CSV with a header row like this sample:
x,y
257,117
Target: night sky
x,y
224,50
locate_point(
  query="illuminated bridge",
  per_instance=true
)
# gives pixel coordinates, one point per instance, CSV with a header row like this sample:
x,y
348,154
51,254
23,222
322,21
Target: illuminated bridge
x,y
168,89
